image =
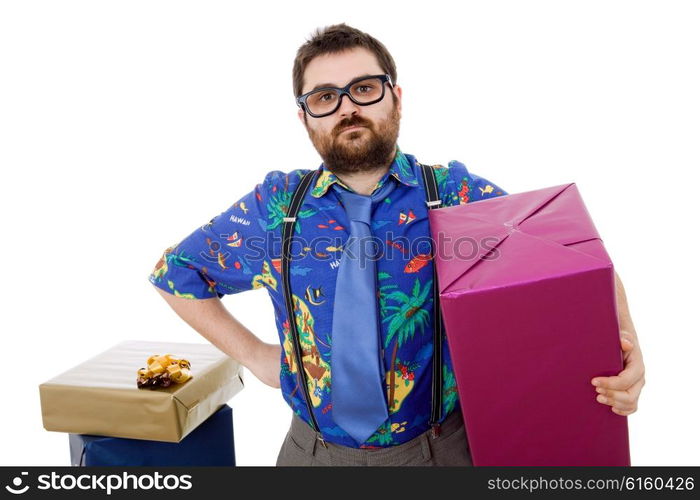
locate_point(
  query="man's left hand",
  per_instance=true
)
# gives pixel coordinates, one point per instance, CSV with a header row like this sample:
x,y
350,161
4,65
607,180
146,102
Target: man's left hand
x,y
621,391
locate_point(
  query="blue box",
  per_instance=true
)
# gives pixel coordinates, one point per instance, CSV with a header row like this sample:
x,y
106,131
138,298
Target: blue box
x,y
210,444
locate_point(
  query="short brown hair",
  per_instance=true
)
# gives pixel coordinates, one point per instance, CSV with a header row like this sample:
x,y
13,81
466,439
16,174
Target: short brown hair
x,y
332,40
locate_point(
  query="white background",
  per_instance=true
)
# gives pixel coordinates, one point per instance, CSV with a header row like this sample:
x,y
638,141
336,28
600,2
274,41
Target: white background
x,y
126,125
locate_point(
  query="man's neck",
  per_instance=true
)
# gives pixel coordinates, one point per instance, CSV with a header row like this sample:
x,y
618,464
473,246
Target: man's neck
x,y
363,182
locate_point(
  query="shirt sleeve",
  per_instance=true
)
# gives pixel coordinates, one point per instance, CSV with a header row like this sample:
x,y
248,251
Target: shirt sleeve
x,y
227,255
466,187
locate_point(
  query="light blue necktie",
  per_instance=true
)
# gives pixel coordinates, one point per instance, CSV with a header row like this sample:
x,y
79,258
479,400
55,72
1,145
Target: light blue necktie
x,y
357,369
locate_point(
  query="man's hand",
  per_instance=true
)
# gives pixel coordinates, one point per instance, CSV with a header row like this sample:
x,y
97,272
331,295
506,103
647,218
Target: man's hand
x,y
265,364
622,391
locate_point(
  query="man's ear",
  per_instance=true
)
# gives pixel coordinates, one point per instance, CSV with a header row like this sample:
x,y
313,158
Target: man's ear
x,y
300,114
398,90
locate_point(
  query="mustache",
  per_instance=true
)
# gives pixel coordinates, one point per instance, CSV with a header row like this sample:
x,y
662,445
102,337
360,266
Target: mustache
x,y
350,123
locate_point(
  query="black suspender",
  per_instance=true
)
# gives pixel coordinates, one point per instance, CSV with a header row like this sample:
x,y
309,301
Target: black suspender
x,y
287,234
433,201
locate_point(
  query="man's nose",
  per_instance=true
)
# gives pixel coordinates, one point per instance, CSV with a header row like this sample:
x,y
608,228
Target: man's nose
x,y
347,107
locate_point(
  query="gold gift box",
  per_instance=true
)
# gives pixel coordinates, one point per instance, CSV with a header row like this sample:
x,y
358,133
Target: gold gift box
x,y
100,396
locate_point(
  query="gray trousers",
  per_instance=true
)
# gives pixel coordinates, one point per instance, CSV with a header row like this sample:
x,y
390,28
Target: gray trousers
x,y
302,448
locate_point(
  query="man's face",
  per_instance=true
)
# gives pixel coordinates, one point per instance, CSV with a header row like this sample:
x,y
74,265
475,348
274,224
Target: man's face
x,y
362,149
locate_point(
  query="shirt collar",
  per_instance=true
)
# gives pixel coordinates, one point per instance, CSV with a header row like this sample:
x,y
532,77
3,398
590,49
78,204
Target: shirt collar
x,y
402,168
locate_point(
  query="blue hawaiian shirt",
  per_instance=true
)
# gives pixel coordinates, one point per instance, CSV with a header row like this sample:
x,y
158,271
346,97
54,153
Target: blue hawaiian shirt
x,y
240,249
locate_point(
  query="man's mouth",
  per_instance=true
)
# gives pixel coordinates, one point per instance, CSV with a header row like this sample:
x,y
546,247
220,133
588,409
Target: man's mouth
x,y
354,127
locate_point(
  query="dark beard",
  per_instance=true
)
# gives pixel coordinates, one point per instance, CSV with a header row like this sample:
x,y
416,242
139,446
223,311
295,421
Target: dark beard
x,y
343,155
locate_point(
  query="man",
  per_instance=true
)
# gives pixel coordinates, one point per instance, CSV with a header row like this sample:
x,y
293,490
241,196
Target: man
x,y
377,411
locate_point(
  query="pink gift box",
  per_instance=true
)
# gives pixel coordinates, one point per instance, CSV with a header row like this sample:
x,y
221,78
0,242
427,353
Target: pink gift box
x,y
527,293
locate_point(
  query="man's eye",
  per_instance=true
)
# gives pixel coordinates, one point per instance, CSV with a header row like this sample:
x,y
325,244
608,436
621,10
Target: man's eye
x,y
368,87
326,97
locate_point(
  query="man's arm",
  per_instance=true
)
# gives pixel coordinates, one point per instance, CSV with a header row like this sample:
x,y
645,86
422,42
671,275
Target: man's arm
x,y
225,256
622,391
623,312
212,320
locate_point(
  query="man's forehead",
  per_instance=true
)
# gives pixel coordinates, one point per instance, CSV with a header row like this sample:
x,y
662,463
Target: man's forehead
x,y
336,70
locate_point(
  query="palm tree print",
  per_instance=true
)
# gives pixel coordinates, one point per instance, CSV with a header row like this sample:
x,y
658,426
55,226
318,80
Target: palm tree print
x,y
405,319
449,390
277,209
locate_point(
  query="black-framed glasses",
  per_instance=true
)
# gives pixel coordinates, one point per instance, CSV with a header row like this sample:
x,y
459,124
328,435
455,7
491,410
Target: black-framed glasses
x,y
364,90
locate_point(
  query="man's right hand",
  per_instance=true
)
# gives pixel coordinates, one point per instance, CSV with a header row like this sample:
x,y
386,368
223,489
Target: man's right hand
x,y
265,364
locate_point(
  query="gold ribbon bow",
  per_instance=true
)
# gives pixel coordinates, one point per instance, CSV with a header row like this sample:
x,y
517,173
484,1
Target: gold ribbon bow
x,y
163,371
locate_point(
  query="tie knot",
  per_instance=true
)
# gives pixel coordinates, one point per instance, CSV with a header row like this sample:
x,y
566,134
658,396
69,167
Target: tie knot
x,y
359,206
